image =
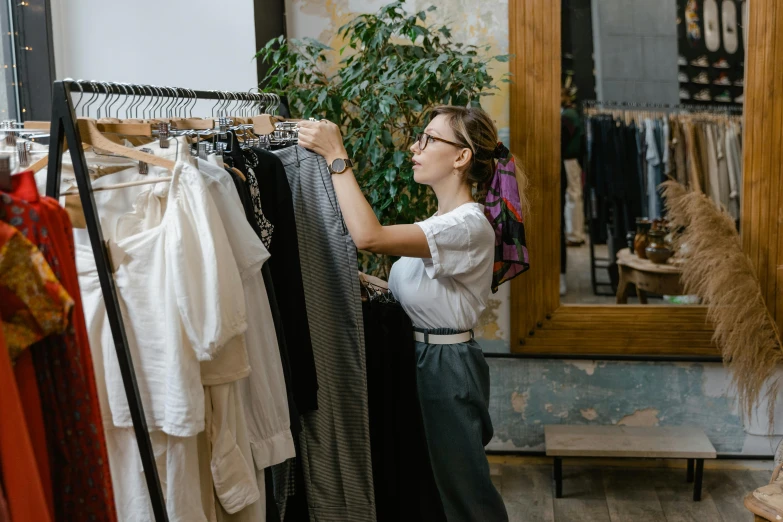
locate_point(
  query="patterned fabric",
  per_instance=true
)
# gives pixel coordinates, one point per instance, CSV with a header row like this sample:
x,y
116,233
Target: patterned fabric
x,y
504,211
33,303
264,224
335,441
63,364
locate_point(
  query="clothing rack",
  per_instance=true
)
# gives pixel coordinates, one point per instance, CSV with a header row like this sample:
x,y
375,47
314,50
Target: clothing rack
x,y
630,106
64,129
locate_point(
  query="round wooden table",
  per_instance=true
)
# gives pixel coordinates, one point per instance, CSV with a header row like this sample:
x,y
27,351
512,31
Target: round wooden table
x,y
647,277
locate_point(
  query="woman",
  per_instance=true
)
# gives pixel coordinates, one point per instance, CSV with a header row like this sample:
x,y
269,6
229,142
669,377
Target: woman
x,y
442,281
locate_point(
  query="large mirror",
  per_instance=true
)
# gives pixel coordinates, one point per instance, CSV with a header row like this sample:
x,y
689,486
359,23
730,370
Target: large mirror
x,y
649,91
646,91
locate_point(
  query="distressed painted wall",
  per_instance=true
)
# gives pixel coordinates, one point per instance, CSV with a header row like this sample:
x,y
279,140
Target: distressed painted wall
x,y
527,394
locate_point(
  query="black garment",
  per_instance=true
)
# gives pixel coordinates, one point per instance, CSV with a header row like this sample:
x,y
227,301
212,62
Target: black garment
x,y
635,191
405,487
280,332
278,207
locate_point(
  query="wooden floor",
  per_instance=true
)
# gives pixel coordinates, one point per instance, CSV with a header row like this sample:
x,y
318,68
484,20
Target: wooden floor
x,y
594,494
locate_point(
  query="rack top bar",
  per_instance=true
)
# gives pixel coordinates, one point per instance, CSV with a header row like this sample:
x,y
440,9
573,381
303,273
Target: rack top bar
x,y
137,89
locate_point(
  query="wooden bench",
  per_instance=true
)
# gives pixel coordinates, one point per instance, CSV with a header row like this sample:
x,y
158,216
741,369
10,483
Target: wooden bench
x,y
629,442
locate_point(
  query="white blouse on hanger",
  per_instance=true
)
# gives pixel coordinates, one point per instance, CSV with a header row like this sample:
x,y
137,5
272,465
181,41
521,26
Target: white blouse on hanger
x,y
180,291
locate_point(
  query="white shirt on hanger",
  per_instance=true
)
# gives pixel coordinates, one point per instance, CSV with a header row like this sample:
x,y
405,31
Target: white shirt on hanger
x,y
180,291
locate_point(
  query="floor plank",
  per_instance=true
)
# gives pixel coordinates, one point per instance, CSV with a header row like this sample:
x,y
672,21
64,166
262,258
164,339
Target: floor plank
x,y
727,489
584,498
595,494
527,492
629,498
676,497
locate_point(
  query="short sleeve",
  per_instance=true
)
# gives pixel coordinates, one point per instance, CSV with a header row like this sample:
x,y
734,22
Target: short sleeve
x,y
455,242
207,282
34,303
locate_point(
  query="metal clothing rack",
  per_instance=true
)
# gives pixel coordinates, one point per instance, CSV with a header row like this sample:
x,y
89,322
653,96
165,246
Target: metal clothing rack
x,y
631,106
64,129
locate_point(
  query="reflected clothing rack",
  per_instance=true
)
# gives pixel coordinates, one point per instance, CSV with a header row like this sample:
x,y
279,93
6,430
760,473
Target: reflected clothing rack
x,y
631,106
64,129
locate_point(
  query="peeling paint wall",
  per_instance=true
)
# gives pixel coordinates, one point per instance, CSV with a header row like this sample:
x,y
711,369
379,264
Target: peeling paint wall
x,y
527,394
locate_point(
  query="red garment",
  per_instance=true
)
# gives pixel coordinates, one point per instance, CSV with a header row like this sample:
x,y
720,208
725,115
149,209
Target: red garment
x,y
80,464
4,515
22,484
27,383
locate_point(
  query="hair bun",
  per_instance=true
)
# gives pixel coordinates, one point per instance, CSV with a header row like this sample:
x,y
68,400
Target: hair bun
x,y
501,151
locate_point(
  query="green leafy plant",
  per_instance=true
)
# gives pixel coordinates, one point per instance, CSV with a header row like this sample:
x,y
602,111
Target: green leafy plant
x,y
393,69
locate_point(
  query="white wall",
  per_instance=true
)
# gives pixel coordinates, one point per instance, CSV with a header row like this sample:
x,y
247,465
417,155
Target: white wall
x,y
199,44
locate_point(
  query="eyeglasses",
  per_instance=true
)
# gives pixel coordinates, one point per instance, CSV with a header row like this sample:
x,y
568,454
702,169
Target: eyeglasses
x,y
424,139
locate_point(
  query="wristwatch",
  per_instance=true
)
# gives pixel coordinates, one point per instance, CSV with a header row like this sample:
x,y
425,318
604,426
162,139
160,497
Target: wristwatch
x,y
339,166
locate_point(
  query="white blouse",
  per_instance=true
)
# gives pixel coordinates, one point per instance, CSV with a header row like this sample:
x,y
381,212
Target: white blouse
x,y
182,300
450,289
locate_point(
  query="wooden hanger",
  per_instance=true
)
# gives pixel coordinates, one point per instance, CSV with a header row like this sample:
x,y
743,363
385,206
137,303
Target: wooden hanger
x,y
43,162
238,173
264,124
91,135
37,125
193,124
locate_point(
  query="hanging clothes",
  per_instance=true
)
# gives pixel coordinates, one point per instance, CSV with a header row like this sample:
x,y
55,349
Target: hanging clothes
x,y
64,368
286,268
654,169
262,434
338,475
19,470
405,487
734,160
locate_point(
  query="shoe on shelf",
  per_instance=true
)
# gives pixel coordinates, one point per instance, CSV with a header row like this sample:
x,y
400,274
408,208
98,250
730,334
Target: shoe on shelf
x,y
701,61
684,94
703,95
724,97
575,242
721,64
682,77
740,82
681,61
563,288
740,99
701,79
723,79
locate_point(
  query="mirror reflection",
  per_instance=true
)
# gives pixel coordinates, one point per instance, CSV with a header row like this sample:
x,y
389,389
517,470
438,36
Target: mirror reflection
x,y
650,91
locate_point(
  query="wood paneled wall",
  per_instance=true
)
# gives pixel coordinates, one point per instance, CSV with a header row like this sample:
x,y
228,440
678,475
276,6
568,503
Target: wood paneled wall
x,y
534,40
762,197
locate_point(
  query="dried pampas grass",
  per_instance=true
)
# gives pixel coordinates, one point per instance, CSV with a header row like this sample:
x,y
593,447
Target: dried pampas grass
x,y
716,269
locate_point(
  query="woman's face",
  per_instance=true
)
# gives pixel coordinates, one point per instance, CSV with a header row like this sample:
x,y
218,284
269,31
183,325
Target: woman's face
x,y
438,160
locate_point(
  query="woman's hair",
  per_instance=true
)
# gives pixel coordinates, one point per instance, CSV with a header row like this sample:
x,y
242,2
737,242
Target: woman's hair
x,y
475,130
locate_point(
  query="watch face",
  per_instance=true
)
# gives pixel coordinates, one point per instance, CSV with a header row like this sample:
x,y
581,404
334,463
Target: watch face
x,y
338,165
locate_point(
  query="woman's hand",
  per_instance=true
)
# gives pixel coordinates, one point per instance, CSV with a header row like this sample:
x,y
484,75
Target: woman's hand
x,y
322,137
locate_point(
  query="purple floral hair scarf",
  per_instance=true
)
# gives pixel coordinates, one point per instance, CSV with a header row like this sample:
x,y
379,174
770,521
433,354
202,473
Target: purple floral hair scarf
x,y
504,211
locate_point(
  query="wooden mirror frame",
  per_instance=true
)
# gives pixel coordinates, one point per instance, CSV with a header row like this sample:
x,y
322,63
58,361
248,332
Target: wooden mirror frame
x,y
540,325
